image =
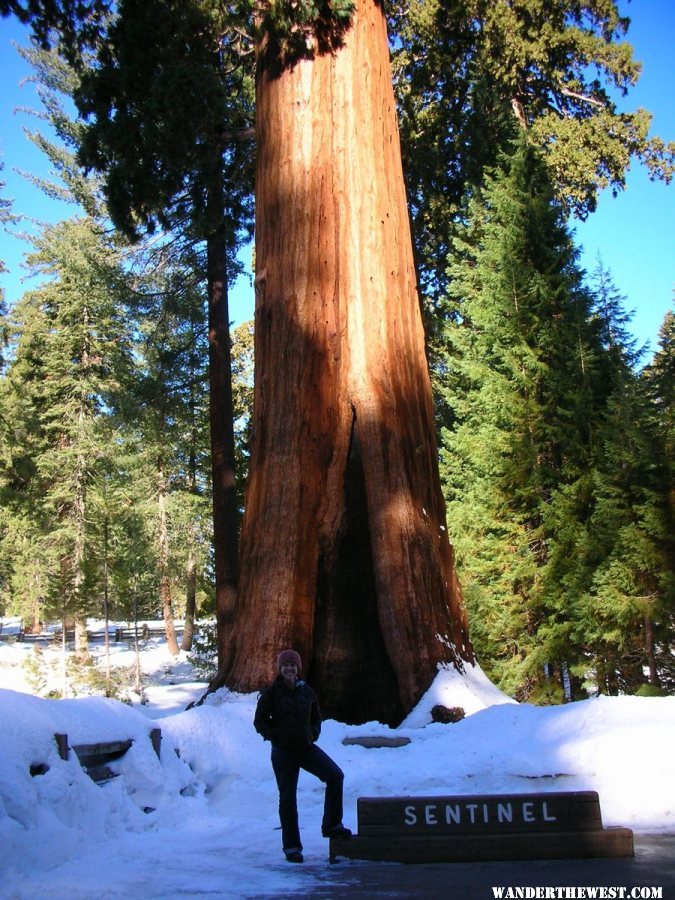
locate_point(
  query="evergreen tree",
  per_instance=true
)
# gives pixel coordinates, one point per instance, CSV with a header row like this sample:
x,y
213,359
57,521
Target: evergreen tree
x,y
144,316
628,605
288,194
624,555
166,91
67,368
168,104
55,84
518,385
172,392
242,387
659,377
5,217
555,472
658,380
467,72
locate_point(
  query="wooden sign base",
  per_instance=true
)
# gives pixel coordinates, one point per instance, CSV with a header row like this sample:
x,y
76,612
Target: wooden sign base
x,y
564,825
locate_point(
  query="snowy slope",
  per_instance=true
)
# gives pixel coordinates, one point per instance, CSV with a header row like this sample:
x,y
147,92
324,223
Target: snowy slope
x,y
210,802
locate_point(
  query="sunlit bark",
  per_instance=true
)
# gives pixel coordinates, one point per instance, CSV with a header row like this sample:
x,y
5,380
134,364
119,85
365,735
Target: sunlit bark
x,y
344,550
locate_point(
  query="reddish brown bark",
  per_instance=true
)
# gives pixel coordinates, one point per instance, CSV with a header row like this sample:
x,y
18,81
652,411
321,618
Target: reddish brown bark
x,y
344,550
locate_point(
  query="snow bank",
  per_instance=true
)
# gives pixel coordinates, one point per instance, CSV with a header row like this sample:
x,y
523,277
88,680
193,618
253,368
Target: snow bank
x,y
208,806
470,689
41,815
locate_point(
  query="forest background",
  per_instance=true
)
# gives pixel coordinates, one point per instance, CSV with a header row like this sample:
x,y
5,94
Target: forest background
x,y
555,431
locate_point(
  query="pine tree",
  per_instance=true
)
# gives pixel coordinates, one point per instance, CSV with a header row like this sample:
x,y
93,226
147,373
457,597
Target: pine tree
x,y
467,72
658,404
623,577
54,81
518,386
285,191
5,217
67,368
171,390
629,548
242,387
186,171
659,377
165,91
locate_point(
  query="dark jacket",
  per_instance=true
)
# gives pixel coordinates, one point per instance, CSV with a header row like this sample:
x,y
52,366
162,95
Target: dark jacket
x,y
287,716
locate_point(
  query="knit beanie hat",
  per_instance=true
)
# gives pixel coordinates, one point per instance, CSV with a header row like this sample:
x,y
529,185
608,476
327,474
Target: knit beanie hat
x,y
289,656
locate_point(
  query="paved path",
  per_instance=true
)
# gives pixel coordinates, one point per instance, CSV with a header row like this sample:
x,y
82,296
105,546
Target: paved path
x,y
652,865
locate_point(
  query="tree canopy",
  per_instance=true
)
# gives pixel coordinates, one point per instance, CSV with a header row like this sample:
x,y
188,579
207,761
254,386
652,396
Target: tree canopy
x,y
557,454
469,71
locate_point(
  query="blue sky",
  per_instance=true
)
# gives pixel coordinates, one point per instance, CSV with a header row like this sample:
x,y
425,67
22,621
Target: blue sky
x,y
633,234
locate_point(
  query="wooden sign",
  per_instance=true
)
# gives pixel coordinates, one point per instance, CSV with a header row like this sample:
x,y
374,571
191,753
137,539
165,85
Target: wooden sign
x,y
482,814
557,825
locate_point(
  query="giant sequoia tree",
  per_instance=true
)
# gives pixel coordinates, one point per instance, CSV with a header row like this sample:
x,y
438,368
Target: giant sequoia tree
x,y
345,553
344,550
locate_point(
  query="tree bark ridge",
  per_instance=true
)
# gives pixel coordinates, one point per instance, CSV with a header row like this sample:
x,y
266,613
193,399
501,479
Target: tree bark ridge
x,y
344,550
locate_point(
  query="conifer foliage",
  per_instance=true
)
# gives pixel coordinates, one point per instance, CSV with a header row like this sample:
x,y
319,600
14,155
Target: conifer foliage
x,y
68,365
557,453
467,71
555,488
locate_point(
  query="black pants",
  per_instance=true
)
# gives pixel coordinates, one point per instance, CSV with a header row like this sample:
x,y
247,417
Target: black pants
x,y
287,765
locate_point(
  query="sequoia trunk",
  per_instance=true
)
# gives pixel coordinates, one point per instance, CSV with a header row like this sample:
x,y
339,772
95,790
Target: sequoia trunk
x,y
344,550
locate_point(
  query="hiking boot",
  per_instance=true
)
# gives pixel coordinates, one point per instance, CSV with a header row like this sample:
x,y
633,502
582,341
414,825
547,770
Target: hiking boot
x,y
294,856
339,831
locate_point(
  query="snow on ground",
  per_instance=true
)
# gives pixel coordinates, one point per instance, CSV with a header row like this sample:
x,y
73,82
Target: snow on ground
x,y
201,821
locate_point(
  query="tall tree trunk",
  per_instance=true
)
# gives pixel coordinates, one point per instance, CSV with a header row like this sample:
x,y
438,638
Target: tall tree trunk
x,y
345,554
191,564
225,511
190,592
78,601
106,596
164,578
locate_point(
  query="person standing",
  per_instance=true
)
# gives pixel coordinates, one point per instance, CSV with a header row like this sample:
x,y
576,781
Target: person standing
x,y
288,716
